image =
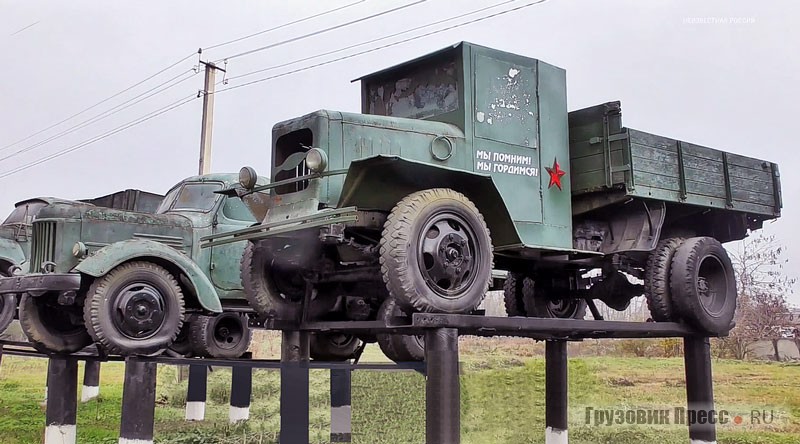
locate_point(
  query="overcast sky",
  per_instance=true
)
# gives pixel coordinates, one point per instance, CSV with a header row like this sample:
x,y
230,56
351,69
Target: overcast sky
x,y
721,73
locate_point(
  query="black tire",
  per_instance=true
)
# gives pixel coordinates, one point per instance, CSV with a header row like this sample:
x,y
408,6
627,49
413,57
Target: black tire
x,y
182,345
656,280
50,327
703,285
333,346
543,307
448,273
399,348
260,286
225,335
512,295
8,308
135,309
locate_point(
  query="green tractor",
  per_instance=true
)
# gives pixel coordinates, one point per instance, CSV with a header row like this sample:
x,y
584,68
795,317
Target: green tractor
x,y
466,160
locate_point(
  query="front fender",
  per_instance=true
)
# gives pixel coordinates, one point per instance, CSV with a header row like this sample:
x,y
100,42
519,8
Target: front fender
x,y
11,252
108,257
379,182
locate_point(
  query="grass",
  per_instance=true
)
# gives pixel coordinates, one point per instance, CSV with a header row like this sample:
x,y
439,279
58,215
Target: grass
x,y
502,397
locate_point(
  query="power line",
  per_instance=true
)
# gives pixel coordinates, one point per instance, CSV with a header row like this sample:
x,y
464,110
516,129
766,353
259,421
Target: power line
x,y
98,103
349,56
249,36
322,31
270,68
85,143
120,107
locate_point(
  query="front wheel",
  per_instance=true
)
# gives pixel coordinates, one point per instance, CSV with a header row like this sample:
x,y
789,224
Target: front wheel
x,y
703,285
52,328
436,252
8,306
135,309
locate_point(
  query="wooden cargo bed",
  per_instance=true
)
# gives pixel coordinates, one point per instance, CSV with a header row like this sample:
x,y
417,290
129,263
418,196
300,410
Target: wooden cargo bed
x,y
610,162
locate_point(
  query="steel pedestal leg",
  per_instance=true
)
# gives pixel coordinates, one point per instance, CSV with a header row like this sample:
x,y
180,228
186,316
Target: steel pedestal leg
x,y
442,391
138,402
294,388
241,389
556,392
699,390
91,381
62,400
340,405
196,393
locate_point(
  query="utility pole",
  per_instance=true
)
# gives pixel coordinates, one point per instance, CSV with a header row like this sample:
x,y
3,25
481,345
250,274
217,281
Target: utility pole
x,y
208,117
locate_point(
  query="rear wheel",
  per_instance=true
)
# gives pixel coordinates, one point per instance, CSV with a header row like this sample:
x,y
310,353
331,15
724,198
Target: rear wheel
x,y
333,346
51,327
135,309
436,252
541,306
512,295
703,285
399,348
225,335
656,280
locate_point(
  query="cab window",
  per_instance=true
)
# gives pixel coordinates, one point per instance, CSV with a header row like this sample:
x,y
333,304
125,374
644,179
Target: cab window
x,y
196,196
23,213
235,209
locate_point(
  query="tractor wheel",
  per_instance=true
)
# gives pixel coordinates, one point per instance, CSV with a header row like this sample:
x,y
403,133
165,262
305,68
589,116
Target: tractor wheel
x,y
135,309
656,280
436,252
225,335
333,346
512,295
8,307
273,290
703,285
52,328
543,307
399,348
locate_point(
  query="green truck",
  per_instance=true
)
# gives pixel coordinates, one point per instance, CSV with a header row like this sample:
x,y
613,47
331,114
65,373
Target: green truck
x,y
466,160
135,282
16,233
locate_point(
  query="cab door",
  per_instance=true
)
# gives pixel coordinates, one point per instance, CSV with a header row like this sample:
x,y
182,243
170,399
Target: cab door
x,y
225,273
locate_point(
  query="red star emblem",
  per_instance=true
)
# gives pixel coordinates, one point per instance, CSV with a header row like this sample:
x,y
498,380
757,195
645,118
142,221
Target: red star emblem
x,y
556,173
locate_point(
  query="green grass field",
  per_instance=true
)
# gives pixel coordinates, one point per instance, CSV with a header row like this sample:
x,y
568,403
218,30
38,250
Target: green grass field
x,y
502,401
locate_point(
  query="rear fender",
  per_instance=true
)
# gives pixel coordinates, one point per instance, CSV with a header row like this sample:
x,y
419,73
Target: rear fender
x,y
379,182
11,254
108,257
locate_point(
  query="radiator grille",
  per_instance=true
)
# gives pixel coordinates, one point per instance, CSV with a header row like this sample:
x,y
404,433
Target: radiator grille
x,y
43,244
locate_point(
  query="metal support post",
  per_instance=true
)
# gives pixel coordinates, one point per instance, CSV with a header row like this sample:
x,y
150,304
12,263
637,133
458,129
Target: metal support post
x,y
442,391
556,382
62,400
294,388
91,381
196,393
138,402
700,415
241,389
341,427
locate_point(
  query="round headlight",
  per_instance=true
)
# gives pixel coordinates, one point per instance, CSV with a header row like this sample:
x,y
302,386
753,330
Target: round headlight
x,y
248,177
80,250
316,160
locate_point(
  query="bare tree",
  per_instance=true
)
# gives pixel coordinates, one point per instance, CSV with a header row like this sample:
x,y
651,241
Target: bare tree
x,y
762,285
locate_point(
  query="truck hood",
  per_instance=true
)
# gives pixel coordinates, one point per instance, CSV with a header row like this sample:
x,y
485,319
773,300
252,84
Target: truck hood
x,y
91,213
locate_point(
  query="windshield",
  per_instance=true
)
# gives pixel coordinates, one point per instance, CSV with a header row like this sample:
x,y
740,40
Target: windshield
x,y
195,196
24,213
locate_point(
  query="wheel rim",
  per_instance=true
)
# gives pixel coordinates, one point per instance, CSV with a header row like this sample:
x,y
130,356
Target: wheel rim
x,y
448,255
287,280
561,308
712,285
140,310
228,332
